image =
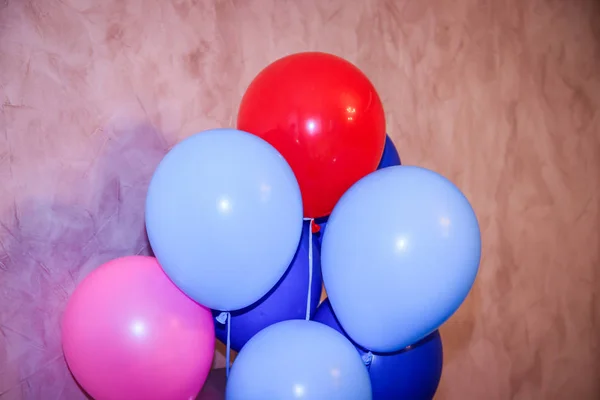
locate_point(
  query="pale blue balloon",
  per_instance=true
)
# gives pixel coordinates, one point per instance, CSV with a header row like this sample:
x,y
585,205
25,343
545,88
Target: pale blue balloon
x,y
399,256
298,359
224,217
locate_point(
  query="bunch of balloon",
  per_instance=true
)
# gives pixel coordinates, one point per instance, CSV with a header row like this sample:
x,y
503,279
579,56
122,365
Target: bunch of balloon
x,y
230,216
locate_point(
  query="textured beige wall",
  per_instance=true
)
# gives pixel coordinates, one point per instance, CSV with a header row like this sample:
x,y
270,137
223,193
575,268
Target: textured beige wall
x,y
500,96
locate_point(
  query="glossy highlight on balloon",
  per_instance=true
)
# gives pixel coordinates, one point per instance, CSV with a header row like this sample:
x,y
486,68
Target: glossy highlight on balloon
x,y
298,359
129,333
224,217
324,116
403,244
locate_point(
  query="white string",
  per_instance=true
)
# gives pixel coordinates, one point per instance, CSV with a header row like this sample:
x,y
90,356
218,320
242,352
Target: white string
x,y
310,265
223,318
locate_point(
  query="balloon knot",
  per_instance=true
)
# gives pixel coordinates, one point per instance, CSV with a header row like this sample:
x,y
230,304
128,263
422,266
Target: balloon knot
x,y
367,358
222,318
316,228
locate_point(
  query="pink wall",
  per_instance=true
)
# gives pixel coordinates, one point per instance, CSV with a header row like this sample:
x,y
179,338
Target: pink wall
x,y
500,96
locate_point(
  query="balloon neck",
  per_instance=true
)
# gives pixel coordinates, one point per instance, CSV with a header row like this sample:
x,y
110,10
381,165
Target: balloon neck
x,y
316,228
222,318
367,358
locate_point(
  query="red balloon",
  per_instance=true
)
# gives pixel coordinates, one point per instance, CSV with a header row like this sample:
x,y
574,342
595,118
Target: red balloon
x,y
324,116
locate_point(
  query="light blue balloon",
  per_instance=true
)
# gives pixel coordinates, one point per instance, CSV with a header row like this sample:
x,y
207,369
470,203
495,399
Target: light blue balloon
x,y
399,256
298,359
224,217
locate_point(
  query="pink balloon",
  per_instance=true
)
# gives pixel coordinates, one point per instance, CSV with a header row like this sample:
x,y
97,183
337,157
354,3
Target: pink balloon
x,y
129,333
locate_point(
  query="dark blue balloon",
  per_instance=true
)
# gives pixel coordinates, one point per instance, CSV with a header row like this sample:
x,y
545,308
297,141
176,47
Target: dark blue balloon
x,y
287,299
322,222
413,373
390,158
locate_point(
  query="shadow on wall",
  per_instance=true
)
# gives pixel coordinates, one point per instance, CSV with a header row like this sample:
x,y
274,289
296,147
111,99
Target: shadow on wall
x,y
48,245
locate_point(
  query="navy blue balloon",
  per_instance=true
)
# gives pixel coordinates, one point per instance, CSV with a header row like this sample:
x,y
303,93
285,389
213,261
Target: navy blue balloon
x,y
389,158
287,299
413,373
322,222
390,155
